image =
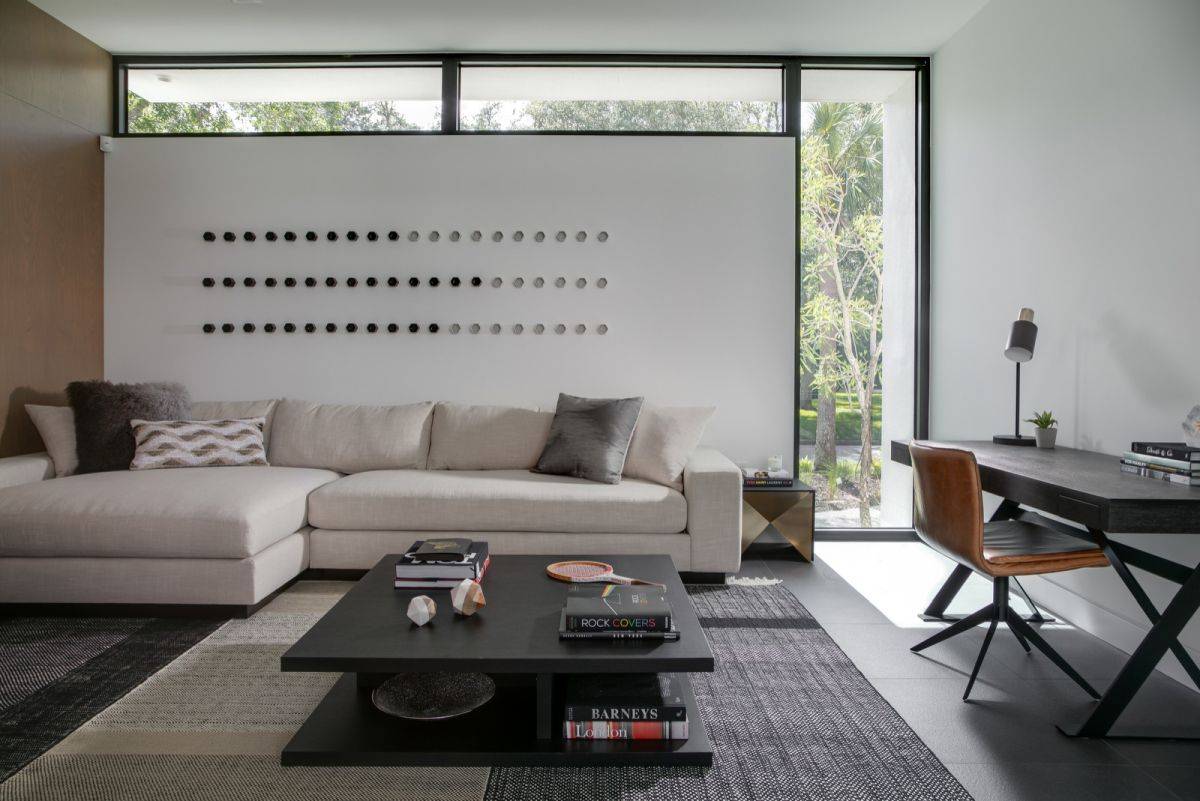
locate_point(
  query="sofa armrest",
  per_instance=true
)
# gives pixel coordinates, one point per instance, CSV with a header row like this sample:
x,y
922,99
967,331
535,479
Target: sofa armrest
x,y
25,469
712,485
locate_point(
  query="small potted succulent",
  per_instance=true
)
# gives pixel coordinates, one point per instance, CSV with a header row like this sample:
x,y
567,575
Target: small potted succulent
x,y
1046,429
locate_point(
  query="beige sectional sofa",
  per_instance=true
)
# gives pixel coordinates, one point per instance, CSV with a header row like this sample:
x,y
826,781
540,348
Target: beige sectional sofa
x,y
346,485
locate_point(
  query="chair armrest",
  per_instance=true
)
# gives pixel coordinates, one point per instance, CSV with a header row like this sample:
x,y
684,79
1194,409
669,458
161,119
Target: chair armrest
x,y
712,485
25,469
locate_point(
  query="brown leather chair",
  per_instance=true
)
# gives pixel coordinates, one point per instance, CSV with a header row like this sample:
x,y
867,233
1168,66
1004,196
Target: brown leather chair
x,y
948,516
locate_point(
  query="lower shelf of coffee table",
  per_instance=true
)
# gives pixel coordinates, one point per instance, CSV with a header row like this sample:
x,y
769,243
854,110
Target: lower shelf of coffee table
x,y
346,729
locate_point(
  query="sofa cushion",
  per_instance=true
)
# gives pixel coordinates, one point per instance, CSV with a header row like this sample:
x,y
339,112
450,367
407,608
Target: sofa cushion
x,y
213,512
494,500
486,437
56,426
103,439
236,410
664,440
350,439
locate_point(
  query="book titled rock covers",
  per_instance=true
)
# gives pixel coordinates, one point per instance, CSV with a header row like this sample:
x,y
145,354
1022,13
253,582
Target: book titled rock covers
x,y
616,611
1166,461
617,706
426,568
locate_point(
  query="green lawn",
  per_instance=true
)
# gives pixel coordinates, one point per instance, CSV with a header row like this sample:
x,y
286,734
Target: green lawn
x,y
847,420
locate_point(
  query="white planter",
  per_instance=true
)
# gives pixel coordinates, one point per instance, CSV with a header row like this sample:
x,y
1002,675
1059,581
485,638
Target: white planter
x,y
1045,437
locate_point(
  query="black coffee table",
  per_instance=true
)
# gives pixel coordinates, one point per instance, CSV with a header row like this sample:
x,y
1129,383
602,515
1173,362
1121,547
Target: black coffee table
x,y
514,638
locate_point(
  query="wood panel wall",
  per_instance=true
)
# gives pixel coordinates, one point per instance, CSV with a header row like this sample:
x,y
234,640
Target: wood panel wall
x,y
55,89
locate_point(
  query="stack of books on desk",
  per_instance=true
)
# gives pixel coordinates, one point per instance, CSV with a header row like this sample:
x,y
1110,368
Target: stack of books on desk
x,y
616,612
762,477
1165,461
441,564
624,706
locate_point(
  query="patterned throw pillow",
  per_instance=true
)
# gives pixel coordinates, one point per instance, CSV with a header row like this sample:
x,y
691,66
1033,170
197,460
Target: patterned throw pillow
x,y
198,443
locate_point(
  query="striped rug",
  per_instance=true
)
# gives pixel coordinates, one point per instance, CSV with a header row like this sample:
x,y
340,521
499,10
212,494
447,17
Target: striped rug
x,y
789,715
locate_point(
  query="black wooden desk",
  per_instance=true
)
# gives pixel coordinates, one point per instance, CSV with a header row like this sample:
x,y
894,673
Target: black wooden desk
x,y
1089,489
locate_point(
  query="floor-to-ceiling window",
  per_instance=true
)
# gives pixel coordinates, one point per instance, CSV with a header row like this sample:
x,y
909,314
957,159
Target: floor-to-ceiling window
x,y
857,355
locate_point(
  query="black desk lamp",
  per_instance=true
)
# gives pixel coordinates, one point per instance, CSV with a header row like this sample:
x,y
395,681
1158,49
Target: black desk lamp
x,y
1020,349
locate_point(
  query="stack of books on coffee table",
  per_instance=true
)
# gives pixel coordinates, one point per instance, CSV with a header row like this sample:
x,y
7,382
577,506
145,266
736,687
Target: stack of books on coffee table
x,y
441,564
616,612
625,706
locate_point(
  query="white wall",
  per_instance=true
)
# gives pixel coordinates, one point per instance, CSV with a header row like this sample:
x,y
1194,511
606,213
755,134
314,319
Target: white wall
x,y
1066,177
699,264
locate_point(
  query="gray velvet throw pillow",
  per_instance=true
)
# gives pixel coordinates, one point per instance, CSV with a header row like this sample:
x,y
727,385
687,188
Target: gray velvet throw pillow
x,y
103,436
590,437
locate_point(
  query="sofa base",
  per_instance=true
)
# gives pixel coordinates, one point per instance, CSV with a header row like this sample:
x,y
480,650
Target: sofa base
x,y
361,550
155,586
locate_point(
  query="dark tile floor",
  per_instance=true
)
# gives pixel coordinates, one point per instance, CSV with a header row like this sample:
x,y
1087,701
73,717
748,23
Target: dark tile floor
x,y
1003,745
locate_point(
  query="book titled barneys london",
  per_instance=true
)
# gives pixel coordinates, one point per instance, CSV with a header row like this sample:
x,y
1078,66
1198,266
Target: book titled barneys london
x,y
624,697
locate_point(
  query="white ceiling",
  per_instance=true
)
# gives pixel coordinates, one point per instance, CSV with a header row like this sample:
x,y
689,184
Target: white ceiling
x,y
813,27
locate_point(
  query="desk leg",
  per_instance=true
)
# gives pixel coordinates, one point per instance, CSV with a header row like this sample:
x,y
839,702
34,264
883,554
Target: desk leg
x,y
1162,636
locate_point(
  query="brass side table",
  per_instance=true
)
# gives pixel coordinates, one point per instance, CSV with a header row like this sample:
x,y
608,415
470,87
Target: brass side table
x,y
786,510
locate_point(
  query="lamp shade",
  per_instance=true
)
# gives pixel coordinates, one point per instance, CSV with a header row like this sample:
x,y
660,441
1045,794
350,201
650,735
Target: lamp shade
x,y
1021,338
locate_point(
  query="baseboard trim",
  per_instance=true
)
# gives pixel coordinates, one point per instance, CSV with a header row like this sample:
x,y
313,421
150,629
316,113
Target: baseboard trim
x,y
1089,616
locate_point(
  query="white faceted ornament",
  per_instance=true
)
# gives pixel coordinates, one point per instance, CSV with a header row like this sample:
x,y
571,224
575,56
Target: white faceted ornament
x,y
421,609
467,597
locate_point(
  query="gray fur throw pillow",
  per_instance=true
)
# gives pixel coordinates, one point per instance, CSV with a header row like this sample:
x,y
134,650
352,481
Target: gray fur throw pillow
x,y
103,436
589,438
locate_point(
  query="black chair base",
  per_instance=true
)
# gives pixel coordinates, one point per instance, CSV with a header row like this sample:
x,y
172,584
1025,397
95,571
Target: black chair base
x,y
994,613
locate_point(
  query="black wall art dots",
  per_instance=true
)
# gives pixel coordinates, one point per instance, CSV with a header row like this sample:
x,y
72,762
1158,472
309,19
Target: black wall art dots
x,y
393,281
311,236
474,329
413,328
330,328
228,282
518,282
455,236
248,328
331,282
309,328
495,329
290,236
393,328
372,236
272,236
540,236
477,281
476,236
393,235
269,328
332,236
539,282
310,282
497,236
539,329
413,236
560,329
561,236
497,282
434,236
249,282
209,236
352,236
434,281
602,236
414,281
352,282
208,328
518,329
289,328
433,328
208,283
229,236
580,283
581,236
601,283
455,281
372,328
518,236
289,282
351,328
227,328
602,329
580,329
249,236
560,282
455,328
270,283
372,281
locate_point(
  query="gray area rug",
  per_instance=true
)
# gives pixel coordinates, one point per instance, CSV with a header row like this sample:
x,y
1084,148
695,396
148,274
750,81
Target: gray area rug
x,y
789,715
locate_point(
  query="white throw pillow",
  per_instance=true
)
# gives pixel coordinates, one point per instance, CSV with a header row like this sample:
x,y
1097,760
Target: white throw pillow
x,y
664,440
56,426
197,443
487,437
350,439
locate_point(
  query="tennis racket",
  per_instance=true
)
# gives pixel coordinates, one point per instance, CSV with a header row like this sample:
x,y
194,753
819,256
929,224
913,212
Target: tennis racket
x,y
583,572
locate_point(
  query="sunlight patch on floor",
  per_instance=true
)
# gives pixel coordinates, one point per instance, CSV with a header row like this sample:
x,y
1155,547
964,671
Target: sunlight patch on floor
x,y
900,578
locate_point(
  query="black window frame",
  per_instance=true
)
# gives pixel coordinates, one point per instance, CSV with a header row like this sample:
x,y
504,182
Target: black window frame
x,y
792,66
